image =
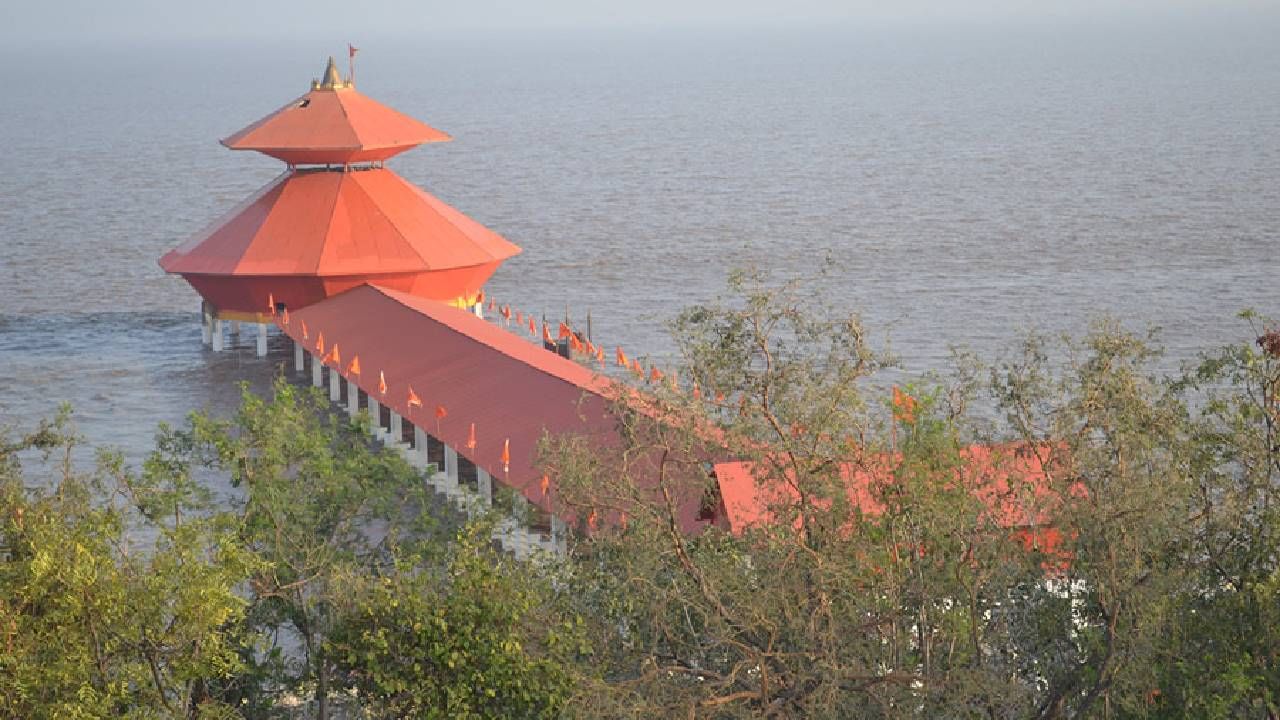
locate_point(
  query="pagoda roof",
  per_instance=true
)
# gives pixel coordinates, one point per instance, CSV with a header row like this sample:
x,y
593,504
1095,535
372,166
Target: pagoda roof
x,y
330,223
333,124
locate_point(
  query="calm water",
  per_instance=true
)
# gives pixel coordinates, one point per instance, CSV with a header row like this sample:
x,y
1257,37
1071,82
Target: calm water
x,y
964,187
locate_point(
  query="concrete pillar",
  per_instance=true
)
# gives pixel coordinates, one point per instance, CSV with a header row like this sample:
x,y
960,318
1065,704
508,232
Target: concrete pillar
x,y
299,357
479,309
235,329
484,485
353,398
218,340
262,339
317,371
451,464
375,417
206,323
420,444
396,431
335,385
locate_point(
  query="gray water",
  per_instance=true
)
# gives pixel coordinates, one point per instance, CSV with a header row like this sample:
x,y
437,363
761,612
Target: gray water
x,y
964,187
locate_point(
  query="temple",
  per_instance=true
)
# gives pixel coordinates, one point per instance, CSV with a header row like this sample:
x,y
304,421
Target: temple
x,y
335,219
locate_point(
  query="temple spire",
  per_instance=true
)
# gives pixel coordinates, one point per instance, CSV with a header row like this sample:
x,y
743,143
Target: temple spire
x,y
331,79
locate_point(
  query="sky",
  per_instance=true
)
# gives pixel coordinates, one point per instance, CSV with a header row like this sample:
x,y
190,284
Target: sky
x,y
62,23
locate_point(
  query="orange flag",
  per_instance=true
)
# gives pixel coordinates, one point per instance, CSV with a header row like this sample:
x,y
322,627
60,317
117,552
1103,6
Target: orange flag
x,y
271,304
533,326
519,318
654,374
441,412
335,356
719,396
320,342
471,438
413,398
480,298
382,383
546,335
575,343
635,368
564,331
286,316
600,356
697,392
304,329
545,484
622,358
591,520
491,303
623,519
354,367
506,311
506,455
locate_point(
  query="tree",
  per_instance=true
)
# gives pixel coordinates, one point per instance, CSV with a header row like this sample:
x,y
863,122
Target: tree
x,y
116,590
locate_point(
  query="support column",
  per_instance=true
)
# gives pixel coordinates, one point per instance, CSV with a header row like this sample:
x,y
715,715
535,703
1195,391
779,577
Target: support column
x,y
262,339
317,371
396,431
559,535
375,417
299,357
335,385
479,309
206,323
420,443
235,330
217,339
451,466
484,485
353,398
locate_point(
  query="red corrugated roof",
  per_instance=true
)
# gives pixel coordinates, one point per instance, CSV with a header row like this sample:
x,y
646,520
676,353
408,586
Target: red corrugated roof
x,y
324,223
334,126
511,389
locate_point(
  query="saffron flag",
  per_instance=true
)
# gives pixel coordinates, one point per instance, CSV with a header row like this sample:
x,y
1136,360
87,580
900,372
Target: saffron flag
x,y
441,412
506,455
413,398
491,303
352,50
654,374
564,331
286,316
304,329
575,343
480,298
271,304
354,367
546,335
635,368
600,356
545,484
533,326
471,438
382,383
334,356
320,342
591,520
622,358
697,392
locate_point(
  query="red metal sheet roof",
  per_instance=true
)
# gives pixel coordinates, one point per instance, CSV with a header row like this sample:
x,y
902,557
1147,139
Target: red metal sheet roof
x,y
322,223
510,388
338,126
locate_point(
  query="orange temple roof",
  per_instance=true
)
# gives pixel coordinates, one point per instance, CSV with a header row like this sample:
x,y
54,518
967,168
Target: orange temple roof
x,y
329,223
334,124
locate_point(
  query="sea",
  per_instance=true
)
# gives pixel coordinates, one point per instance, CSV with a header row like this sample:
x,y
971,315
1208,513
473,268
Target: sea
x,y
954,187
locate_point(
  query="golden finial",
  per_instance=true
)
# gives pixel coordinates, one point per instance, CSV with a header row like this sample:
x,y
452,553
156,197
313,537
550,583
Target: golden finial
x,y
332,80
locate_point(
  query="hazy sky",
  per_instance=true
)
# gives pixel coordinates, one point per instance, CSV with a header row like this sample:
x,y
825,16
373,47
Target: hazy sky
x,y
59,23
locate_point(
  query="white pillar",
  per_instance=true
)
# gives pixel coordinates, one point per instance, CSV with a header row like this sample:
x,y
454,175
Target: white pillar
x,y
484,485
235,329
375,417
217,339
335,385
206,323
353,398
559,535
420,443
451,464
317,371
299,357
479,309
397,428
262,339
